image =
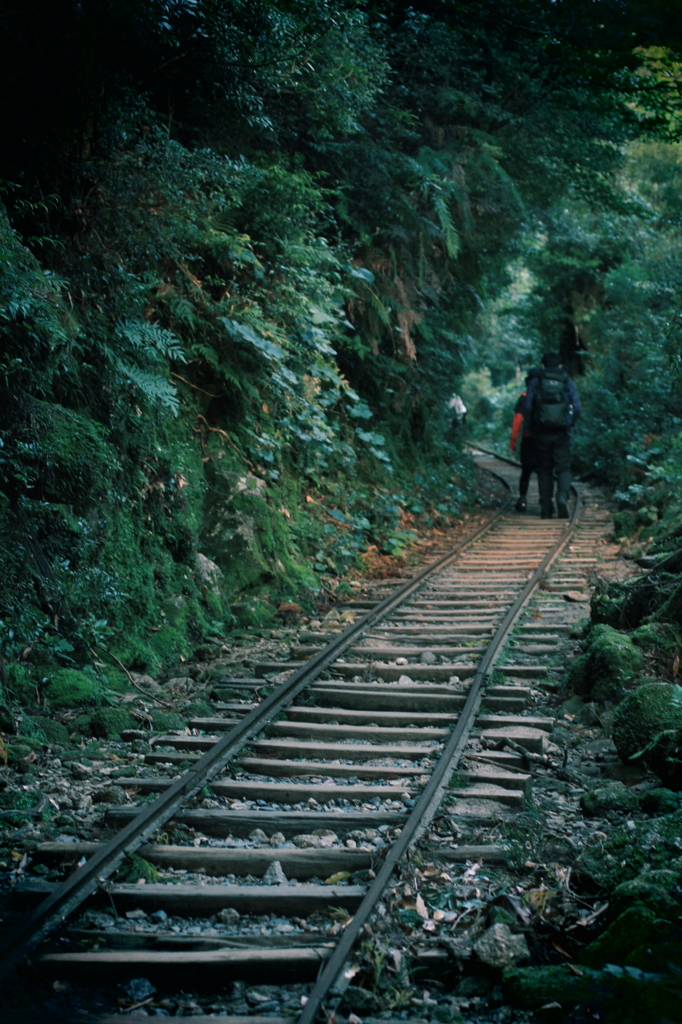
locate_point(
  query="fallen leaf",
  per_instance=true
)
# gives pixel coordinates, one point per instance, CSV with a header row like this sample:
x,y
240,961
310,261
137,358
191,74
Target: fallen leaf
x,y
420,907
340,876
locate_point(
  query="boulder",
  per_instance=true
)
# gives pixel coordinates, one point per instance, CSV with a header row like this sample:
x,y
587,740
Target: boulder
x,y
613,797
610,661
499,947
648,725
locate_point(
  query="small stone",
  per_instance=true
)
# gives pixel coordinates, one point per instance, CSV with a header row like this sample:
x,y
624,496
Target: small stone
x,y
277,839
259,837
428,658
228,916
159,915
140,989
136,915
275,874
113,795
313,842
498,947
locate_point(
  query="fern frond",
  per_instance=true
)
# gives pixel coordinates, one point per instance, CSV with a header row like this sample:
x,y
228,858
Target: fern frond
x,y
151,340
154,388
450,233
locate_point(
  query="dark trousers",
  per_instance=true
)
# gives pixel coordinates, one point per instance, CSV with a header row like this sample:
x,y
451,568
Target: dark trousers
x,y
529,459
554,457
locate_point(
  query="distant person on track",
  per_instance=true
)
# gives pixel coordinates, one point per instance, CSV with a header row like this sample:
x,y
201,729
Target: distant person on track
x,y
528,453
552,407
458,411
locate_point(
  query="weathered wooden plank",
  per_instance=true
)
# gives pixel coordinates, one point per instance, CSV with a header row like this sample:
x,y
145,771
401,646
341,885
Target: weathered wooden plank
x,y
385,700
509,797
274,766
380,670
209,967
239,824
206,900
324,731
287,792
296,792
345,751
534,740
301,864
352,716
505,721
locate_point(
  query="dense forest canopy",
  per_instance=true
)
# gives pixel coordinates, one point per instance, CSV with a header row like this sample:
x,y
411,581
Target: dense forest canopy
x,y
248,250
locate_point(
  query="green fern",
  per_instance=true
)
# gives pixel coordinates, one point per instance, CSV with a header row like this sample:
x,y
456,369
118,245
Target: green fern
x,y
155,389
450,233
151,340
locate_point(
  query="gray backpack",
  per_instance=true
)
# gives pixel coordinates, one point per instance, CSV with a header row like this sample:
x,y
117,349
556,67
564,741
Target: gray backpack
x,y
552,406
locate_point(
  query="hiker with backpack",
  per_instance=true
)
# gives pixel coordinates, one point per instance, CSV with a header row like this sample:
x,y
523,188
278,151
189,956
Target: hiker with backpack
x,y
528,453
552,407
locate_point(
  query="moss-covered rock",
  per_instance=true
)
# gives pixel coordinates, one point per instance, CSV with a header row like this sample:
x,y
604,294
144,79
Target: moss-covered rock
x,y
645,725
609,663
17,750
200,709
81,725
658,891
112,795
108,723
662,637
135,654
661,801
28,727
621,996
253,611
170,645
174,610
54,732
652,845
115,680
21,683
69,686
163,721
634,928
613,797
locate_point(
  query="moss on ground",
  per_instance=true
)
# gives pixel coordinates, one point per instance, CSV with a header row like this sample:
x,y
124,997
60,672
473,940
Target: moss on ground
x,y
619,994
69,687
109,723
609,664
652,845
648,725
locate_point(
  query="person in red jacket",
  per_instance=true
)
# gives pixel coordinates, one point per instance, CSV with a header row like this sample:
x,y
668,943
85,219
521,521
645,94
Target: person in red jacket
x,y
528,451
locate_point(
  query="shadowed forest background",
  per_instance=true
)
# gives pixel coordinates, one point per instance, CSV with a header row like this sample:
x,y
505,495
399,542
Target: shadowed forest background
x,y
249,249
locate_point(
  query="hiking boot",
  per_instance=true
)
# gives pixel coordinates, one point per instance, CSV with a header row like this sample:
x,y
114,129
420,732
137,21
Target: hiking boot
x,y
562,510
547,513
520,505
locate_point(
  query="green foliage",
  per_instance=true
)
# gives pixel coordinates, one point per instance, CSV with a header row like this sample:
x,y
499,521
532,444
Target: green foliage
x,y
136,869
69,687
276,236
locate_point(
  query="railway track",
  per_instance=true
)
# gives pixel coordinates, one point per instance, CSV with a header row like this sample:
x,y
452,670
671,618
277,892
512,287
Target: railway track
x,y
297,799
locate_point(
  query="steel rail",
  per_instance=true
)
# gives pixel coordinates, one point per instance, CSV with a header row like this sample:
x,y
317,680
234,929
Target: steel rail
x,y
67,896
427,803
